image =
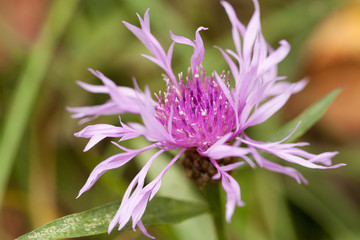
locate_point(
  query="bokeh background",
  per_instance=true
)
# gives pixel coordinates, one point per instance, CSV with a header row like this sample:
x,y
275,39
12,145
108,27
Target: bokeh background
x,y
45,46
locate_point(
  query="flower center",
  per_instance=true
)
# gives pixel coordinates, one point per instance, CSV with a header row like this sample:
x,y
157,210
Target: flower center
x,y
200,112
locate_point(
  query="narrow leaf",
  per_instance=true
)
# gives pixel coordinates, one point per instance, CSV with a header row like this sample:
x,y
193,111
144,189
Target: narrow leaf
x,y
313,203
95,221
308,118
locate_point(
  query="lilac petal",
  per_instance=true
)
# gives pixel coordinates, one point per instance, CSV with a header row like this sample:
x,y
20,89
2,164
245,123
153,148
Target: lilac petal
x,y
135,204
298,160
199,51
245,87
264,50
291,154
218,143
155,190
267,109
138,127
141,196
232,66
154,60
123,100
222,151
291,172
228,168
122,91
324,158
235,56
130,133
232,166
277,56
258,53
103,129
122,96
143,229
237,26
170,53
145,36
148,40
93,88
117,93
138,181
98,132
93,141
226,91
280,87
198,45
145,24
181,39
112,88
233,18
108,108
252,30
154,130
140,209
232,190
112,162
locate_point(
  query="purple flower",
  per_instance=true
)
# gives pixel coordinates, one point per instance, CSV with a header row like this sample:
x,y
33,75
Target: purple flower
x,y
199,113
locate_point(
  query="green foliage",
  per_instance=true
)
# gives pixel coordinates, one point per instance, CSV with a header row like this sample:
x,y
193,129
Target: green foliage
x,y
96,221
306,119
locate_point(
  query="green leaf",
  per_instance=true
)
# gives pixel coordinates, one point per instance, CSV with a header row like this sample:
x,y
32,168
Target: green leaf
x,y
95,221
308,118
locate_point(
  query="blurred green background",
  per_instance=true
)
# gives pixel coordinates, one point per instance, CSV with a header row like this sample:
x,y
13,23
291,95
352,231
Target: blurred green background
x,y
45,46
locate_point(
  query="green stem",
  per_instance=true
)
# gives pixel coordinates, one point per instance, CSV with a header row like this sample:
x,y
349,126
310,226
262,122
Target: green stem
x,y
212,195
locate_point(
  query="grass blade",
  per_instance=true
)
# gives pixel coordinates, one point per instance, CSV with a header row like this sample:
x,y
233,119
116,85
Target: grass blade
x,y
29,83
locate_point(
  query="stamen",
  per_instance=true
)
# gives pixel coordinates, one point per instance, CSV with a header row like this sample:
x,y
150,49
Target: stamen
x,y
200,110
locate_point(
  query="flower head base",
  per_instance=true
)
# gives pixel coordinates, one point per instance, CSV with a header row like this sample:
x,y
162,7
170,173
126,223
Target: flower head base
x,y
200,115
200,168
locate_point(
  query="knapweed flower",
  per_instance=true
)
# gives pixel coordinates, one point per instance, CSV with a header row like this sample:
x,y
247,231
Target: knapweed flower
x,y
199,114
